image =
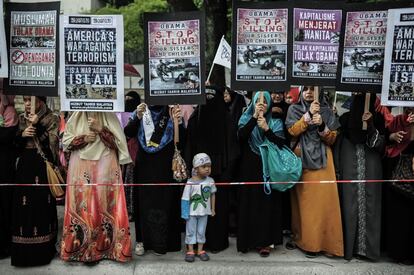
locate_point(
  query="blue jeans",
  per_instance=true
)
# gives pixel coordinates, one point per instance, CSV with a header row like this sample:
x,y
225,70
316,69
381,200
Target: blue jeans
x,y
195,229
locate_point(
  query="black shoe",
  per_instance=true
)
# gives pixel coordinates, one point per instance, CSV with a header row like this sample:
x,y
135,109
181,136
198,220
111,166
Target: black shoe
x,y
290,245
93,263
311,255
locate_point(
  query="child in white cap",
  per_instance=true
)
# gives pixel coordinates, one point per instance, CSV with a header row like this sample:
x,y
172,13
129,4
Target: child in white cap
x,y
197,203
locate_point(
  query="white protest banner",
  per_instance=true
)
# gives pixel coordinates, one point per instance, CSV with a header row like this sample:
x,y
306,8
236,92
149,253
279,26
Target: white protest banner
x,y
92,63
398,78
3,47
223,54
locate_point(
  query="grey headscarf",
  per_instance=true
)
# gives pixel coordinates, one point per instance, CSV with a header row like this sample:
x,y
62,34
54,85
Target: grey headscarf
x,y
313,150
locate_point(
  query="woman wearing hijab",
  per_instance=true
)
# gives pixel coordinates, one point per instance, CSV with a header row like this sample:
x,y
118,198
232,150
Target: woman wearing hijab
x,y
8,129
96,224
316,215
132,100
202,139
157,209
399,196
358,155
34,217
235,104
260,215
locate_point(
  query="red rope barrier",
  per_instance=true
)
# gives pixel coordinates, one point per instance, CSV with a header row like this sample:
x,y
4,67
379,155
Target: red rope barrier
x,y
217,183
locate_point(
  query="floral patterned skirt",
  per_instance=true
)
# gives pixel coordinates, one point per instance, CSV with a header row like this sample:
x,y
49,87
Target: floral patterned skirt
x,y
96,220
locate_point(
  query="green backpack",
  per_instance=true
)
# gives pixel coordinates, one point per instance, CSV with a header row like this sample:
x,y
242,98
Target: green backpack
x,y
280,164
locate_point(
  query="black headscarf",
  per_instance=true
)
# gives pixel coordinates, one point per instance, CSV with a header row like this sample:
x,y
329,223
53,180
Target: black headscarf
x,y
206,131
234,111
131,104
351,122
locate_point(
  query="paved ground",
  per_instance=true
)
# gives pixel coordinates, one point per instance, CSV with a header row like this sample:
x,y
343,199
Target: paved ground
x,y
281,261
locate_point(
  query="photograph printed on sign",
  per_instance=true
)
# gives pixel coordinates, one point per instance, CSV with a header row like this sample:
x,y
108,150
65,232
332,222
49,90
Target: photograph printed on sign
x,y
174,76
261,62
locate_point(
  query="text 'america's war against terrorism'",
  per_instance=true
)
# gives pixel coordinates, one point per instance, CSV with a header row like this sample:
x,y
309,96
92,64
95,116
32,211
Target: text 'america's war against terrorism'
x,y
404,44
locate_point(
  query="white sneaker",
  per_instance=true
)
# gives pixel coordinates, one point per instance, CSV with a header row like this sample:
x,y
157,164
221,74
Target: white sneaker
x,y
139,249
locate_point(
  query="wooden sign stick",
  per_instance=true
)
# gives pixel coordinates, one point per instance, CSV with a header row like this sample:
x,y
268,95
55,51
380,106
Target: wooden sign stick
x,y
316,94
366,109
261,100
33,105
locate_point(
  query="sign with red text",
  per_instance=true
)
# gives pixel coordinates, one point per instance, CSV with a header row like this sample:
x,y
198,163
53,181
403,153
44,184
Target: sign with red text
x,y
32,32
260,46
361,58
174,58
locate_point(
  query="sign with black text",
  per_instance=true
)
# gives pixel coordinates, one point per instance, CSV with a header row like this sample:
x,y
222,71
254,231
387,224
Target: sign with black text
x,y
260,46
32,33
92,63
174,58
398,80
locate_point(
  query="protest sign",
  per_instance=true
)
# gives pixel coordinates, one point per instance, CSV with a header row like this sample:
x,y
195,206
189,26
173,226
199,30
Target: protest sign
x,y
398,79
3,47
92,63
174,58
260,46
32,37
361,58
315,44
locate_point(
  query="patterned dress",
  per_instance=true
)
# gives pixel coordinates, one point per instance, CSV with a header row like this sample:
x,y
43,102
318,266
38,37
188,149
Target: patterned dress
x,y
96,223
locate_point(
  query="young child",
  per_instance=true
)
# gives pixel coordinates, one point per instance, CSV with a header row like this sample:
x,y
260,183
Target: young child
x,y
197,202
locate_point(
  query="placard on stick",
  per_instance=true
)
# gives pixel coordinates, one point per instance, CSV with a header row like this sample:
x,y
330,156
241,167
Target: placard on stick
x,y
174,58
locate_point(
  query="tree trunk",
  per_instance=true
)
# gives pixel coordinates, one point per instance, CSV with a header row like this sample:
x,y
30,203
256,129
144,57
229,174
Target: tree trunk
x,y
216,14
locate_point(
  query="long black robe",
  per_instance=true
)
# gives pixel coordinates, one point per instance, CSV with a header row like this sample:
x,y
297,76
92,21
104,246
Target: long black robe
x,y
206,133
260,215
7,162
358,155
34,215
399,215
156,209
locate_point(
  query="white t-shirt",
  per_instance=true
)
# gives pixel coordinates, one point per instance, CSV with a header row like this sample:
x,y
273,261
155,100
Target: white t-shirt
x,y
199,193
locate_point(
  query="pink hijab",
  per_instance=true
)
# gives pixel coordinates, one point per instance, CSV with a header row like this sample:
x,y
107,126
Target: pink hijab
x,y
7,110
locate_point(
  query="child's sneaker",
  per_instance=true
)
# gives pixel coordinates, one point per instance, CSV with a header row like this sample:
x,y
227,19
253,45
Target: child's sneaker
x,y
203,256
139,249
189,257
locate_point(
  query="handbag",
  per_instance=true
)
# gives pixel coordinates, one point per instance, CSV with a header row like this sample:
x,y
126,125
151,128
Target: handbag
x,y
54,177
179,167
280,164
404,171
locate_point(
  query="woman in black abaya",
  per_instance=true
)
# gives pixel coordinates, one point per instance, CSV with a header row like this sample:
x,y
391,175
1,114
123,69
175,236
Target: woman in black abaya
x,y
206,133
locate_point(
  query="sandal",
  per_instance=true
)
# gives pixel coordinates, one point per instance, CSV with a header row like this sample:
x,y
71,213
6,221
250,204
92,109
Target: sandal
x,y
264,252
189,257
290,245
203,256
